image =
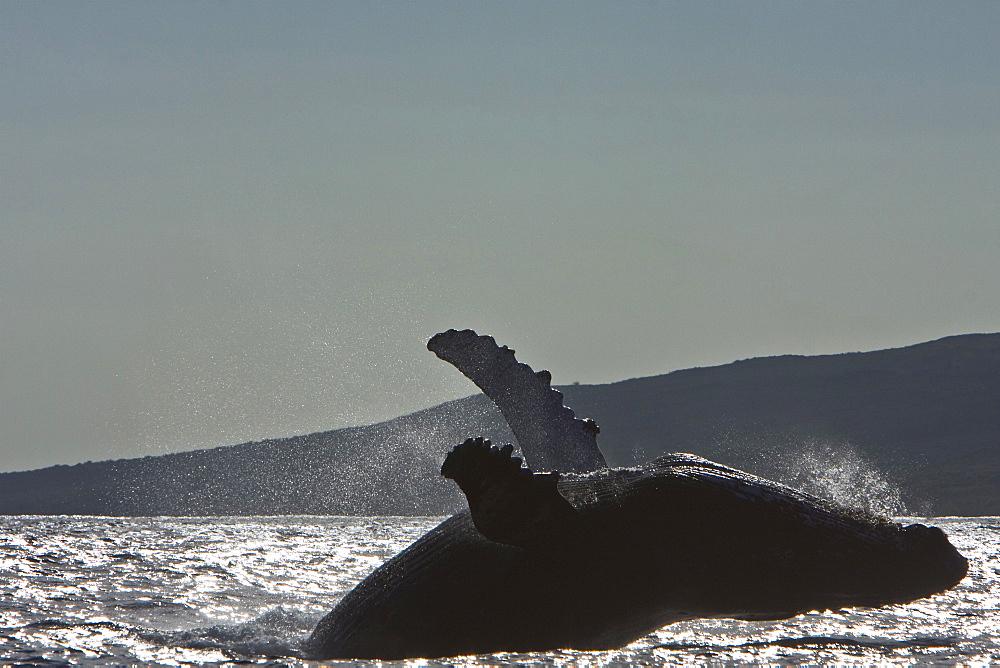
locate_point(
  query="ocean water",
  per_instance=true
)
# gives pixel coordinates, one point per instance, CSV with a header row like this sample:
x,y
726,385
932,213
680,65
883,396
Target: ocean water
x,y
248,590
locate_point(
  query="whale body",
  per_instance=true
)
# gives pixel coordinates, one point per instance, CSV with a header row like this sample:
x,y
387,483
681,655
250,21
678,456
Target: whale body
x,y
597,558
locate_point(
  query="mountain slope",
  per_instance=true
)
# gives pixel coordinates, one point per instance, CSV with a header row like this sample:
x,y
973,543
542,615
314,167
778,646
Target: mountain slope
x,y
927,416
390,468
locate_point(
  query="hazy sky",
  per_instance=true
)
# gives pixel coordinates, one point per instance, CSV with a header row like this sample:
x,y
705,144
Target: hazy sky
x,y
230,221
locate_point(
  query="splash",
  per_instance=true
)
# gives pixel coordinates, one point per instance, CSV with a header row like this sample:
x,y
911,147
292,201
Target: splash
x,y
830,468
276,633
837,471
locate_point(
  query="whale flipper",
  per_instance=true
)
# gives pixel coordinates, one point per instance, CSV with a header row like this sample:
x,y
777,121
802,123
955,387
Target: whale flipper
x,y
510,504
551,437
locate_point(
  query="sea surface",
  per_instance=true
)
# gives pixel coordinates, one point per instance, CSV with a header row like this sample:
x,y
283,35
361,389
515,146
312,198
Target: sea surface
x,y
248,590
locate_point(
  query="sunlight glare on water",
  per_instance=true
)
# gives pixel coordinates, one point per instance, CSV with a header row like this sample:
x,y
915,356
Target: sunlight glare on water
x,y
171,591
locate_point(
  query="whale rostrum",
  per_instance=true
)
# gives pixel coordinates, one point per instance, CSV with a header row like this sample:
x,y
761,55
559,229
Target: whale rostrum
x,y
581,556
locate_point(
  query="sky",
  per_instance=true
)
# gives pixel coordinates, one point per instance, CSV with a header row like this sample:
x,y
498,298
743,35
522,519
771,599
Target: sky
x,y
230,221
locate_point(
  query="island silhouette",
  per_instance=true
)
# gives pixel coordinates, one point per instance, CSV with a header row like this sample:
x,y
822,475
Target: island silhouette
x,y
926,416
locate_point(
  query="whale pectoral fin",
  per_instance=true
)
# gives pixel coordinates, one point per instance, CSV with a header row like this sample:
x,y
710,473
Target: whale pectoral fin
x,y
550,435
510,504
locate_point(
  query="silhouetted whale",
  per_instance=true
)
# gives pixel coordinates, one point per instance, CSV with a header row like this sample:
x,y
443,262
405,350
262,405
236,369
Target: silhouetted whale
x,y
595,559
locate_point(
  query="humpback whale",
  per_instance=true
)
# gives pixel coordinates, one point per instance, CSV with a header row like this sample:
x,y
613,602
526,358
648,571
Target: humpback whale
x,y
568,553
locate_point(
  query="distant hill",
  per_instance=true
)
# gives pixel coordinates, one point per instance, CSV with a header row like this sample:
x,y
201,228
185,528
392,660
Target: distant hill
x,y
925,419
926,415
389,468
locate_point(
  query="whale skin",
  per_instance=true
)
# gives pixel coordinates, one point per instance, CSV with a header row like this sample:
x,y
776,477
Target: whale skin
x,y
595,559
